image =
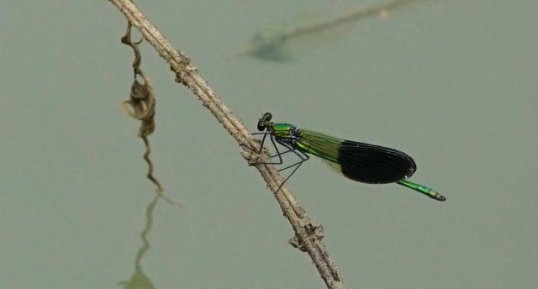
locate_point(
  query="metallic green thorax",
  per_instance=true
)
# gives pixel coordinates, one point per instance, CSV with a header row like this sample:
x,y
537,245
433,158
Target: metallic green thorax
x,y
283,130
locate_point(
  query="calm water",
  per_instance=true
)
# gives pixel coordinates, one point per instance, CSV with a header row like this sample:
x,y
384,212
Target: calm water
x,y
453,83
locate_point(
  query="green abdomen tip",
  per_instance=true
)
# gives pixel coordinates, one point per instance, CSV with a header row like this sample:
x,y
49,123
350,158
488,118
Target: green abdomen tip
x,y
422,189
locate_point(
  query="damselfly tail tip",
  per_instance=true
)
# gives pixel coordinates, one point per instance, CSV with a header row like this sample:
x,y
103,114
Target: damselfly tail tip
x,y
440,197
433,194
422,189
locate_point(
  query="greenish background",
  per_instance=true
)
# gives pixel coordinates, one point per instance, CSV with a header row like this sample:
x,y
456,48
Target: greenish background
x,y
453,83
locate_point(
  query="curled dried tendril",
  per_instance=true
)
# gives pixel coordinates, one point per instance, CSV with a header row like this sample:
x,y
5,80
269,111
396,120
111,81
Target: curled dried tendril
x,y
141,104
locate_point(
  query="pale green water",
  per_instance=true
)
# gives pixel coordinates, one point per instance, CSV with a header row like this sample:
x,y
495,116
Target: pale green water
x,y
452,83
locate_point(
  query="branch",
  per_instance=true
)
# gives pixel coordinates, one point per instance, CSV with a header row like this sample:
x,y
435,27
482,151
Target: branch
x,y
307,234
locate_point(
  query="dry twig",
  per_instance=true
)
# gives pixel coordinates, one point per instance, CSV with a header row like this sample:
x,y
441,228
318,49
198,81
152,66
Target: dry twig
x,y
307,234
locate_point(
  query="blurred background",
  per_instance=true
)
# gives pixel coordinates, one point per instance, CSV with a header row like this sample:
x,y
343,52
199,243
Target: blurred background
x,y
452,83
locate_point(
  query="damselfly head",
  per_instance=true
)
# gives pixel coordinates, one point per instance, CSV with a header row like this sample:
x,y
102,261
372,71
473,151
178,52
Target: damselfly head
x,y
265,121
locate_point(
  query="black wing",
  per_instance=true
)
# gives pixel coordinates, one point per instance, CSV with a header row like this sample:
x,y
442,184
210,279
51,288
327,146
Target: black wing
x,y
374,164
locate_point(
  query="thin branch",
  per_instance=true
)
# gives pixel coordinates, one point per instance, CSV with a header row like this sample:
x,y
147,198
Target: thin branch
x,y
307,234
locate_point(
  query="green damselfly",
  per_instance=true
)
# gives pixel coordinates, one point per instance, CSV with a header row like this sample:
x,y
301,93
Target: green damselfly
x,y
361,162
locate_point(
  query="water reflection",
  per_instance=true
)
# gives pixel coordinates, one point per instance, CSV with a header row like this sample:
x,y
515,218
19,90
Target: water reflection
x,y
270,45
139,280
